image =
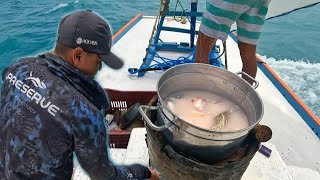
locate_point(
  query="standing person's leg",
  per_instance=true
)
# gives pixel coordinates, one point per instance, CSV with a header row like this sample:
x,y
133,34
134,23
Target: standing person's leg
x,y
248,56
215,24
249,27
204,46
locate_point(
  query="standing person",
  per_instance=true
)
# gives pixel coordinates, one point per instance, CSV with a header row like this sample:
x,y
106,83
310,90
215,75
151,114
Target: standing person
x,y
51,107
216,23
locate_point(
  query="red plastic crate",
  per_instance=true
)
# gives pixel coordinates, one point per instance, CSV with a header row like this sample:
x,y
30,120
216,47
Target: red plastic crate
x,y
123,100
119,139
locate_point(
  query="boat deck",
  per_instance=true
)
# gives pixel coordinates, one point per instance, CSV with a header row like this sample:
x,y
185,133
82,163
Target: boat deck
x,y
261,167
296,143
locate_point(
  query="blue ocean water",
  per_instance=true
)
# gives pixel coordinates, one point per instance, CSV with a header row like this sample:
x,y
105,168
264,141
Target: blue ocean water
x,y
289,44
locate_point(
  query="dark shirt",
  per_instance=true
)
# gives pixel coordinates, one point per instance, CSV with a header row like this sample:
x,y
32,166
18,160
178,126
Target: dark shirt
x,y
50,110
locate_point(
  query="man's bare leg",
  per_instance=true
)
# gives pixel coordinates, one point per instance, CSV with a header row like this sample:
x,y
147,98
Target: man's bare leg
x,y
248,56
204,46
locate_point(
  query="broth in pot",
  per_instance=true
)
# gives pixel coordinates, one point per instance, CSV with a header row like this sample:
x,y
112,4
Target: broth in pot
x,y
207,110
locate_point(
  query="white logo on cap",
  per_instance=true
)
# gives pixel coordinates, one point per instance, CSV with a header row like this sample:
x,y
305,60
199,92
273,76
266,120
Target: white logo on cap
x,y
79,40
86,41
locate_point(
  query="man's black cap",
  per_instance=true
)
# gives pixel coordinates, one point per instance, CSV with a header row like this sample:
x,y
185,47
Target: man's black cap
x,y
92,33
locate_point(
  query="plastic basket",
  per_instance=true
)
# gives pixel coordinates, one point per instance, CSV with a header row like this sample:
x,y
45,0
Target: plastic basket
x,y
119,139
123,100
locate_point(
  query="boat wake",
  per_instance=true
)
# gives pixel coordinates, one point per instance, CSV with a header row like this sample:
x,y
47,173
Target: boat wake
x,y
302,77
61,6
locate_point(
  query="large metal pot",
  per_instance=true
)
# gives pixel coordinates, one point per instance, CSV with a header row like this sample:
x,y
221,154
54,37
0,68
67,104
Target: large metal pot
x,y
201,144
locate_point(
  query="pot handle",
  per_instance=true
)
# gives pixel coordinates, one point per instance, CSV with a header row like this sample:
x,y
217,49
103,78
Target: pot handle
x,y
142,109
256,83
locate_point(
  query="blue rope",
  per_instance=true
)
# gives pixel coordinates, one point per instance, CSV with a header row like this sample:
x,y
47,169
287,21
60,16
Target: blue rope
x,y
171,62
163,63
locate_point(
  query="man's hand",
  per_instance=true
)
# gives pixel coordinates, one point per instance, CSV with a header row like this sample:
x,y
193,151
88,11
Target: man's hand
x,y
154,174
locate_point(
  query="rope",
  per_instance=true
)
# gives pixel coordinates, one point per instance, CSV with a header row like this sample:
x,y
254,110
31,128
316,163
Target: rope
x,y
155,24
163,63
184,12
286,13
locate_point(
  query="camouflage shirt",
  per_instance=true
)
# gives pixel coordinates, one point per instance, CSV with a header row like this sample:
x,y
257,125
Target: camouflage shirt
x,y
50,110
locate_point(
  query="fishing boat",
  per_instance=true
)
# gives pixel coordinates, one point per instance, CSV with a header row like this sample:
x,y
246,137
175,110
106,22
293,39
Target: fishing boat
x,y
296,130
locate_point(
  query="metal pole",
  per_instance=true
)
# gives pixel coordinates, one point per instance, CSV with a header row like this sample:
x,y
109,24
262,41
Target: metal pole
x,y
194,4
225,55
